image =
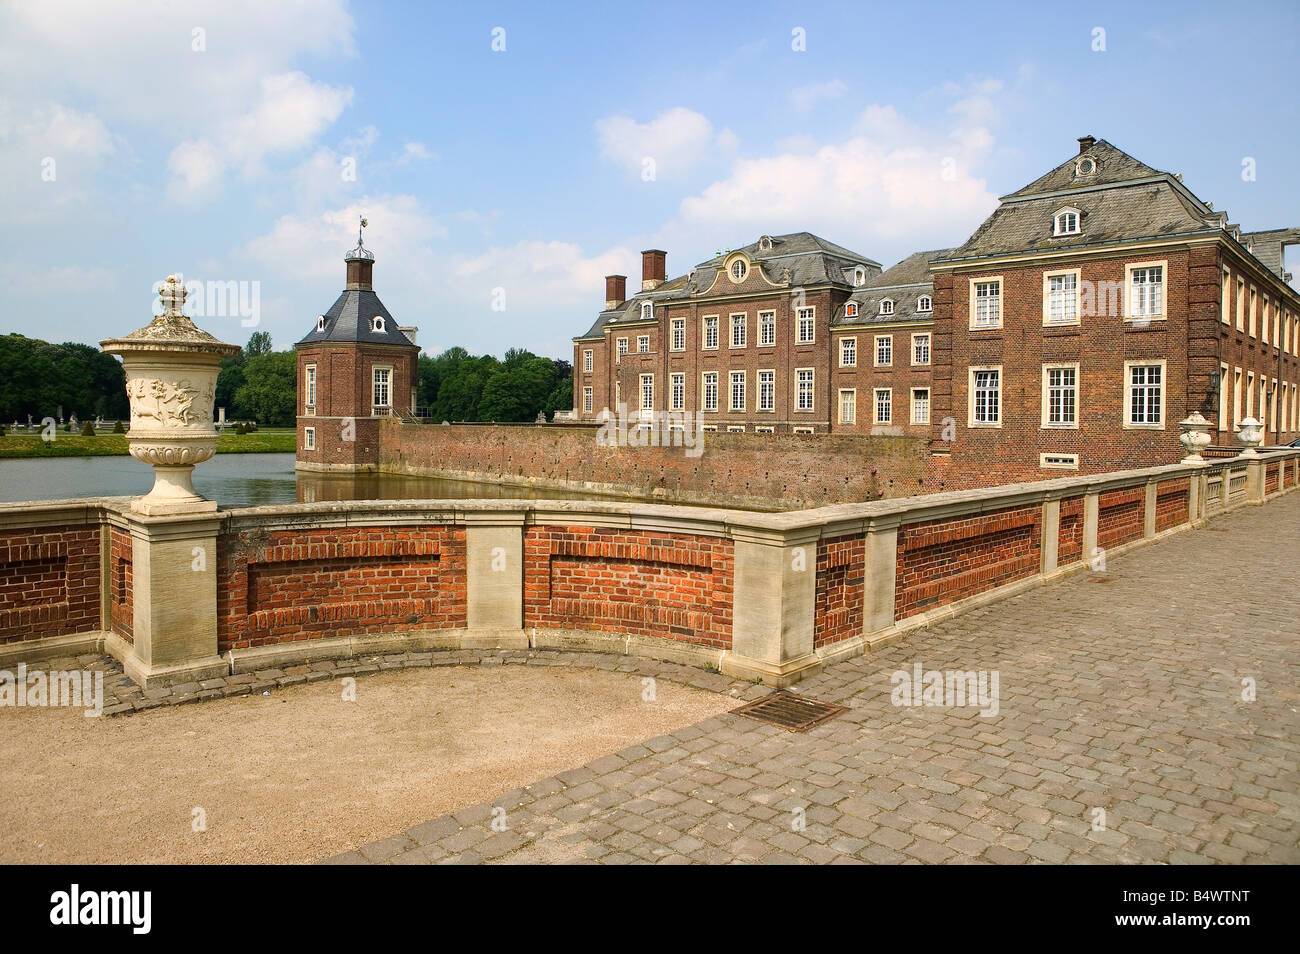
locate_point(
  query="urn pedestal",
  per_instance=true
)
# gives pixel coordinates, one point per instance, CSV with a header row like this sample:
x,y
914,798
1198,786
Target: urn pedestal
x,y
1251,435
171,378
1195,437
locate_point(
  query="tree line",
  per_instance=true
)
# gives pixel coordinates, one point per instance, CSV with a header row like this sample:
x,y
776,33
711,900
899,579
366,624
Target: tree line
x,y
259,384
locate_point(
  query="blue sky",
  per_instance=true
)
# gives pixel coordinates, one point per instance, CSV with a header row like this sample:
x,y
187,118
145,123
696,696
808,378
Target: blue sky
x,y
519,176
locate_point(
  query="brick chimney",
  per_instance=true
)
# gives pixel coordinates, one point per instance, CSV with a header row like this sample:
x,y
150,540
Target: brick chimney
x,y
1086,143
653,268
615,291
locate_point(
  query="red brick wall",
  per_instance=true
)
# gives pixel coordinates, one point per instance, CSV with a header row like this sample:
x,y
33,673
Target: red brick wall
x,y
121,608
943,561
343,399
1121,516
291,584
1069,537
669,585
1271,477
49,582
841,570
1172,504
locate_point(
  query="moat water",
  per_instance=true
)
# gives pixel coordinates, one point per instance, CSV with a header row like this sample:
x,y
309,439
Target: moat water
x,y
244,480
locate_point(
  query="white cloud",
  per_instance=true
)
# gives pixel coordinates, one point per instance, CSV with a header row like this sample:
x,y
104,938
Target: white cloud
x,y
49,156
546,272
807,97
676,140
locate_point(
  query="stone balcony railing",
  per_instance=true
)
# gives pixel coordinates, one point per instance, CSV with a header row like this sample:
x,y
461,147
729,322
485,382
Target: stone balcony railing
x,y
769,596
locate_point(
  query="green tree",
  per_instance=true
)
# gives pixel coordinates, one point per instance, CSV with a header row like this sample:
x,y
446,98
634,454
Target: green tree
x,y
269,392
258,343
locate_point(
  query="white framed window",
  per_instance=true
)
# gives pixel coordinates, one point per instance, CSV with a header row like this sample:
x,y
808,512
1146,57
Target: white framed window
x,y
848,406
739,269
735,428
309,374
765,429
737,380
1144,394
884,350
986,302
887,307
1061,297
710,335
1066,222
859,276
884,401
924,304
804,389
647,310
588,359
643,344
1254,301
802,430
1058,461
320,322
807,326
647,392
767,390
986,396
920,405
848,352
710,389
921,348
377,323
622,347
381,391
766,328
1241,304
677,392
1223,397
1226,301
1263,327
1236,398
678,342
309,438
851,309
1146,291
586,400
709,427
739,330
1060,395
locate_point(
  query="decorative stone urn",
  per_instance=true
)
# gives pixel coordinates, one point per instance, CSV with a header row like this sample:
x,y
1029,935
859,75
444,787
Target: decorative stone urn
x,y
1195,437
1250,435
171,378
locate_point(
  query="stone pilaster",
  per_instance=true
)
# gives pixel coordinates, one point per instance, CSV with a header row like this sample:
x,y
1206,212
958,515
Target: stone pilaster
x,y
1051,535
494,557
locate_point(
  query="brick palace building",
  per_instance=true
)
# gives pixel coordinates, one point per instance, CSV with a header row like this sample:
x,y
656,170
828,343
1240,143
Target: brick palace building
x,y
1093,310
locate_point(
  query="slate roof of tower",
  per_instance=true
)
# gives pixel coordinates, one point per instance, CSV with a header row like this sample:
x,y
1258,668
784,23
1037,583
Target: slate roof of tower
x,y
351,318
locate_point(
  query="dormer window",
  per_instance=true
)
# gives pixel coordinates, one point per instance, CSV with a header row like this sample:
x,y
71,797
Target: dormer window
x,y
765,243
377,323
1066,222
860,276
923,303
1085,167
851,310
886,307
647,309
320,322
739,270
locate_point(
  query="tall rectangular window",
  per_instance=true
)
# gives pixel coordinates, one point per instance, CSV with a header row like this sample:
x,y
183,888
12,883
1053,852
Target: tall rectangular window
x,y
1226,299
920,405
710,391
1147,292
804,386
647,392
677,392
622,347
643,344
921,348
737,391
848,406
987,311
1060,397
766,328
587,360
986,396
1254,296
884,405
679,334
710,332
586,400
382,391
1241,304
1063,298
884,350
806,331
309,438
848,352
1146,394
310,372
738,331
767,390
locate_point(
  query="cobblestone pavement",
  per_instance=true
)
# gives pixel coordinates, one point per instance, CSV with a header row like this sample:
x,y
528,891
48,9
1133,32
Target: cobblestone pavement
x,y
1120,691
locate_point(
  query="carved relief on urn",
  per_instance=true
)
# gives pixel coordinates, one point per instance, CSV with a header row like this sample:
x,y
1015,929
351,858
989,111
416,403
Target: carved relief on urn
x,y
171,378
1251,435
1195,437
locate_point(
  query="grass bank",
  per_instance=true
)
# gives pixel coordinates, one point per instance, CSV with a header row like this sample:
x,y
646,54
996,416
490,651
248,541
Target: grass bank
x,y
108,445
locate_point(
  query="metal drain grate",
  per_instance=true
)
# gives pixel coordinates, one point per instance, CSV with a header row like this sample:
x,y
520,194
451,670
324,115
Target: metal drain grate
x,y
796,713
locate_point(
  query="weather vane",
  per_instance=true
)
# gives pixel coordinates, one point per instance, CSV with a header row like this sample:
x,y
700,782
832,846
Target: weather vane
x,y
363,224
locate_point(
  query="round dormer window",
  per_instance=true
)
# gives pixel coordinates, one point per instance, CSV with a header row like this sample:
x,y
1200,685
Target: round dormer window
x,y
320,322
765,243
378,323
739,269
1086,166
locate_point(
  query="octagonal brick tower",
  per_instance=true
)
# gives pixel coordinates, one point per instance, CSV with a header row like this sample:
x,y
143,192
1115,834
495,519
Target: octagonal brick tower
x,y
355,367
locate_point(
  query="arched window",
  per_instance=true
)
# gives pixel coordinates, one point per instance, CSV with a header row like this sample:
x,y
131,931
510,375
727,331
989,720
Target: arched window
x,y
378,323
647,309
320,322
886,307
1066,222
860,276
923,303
765,243
851,310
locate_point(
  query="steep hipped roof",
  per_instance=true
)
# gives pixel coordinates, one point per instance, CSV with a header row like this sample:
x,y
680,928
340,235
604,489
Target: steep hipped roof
x,y
904,285
1113,165
351,318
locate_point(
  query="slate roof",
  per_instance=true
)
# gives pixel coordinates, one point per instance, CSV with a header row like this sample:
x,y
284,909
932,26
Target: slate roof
x,y
1268,246
904,284
350,319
